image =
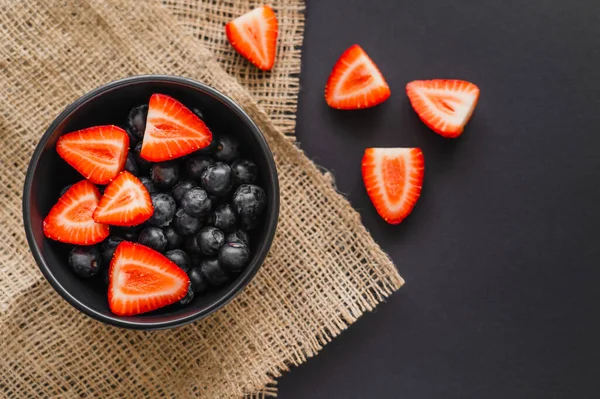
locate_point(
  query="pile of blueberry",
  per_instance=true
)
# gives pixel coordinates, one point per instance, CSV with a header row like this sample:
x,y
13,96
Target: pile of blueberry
x,y
204,206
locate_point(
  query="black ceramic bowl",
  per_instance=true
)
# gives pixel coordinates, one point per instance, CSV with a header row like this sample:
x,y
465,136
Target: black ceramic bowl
x,y
110,104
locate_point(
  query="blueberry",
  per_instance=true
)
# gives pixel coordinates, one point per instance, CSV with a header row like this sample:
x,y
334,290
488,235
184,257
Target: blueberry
x,y
154,238
164,209
191,246
180,258
195,259
85,261
133,140
131,165
227,149
189,297
210,239
224,218
214,273
234,256
165,174
149,184
143,165
186,224
248,223
244,171
195,202
196,164
197,280
108,248
217,179
128,233
238,236
64,190
174,239
198,113
249,201
181,188
136,121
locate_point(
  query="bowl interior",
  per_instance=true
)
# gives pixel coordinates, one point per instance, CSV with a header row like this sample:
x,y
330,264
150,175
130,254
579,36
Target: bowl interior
x,y
48,173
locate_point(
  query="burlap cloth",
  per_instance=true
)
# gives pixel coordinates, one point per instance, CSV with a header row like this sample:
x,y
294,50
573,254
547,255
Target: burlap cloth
x,y
324,269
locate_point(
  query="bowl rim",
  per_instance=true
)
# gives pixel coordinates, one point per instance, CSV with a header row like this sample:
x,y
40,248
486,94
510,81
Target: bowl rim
x,y
234,288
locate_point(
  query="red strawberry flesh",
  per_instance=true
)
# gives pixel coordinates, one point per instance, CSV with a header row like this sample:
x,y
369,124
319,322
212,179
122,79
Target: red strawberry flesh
x,y
99,153
142,280
393,178
70,220
172,130
126,202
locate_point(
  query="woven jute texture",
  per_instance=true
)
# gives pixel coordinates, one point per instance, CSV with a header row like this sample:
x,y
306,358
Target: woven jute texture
x,y
323,271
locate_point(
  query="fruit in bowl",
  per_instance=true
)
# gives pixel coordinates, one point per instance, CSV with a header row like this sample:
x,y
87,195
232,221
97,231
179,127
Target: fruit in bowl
x,y
167,205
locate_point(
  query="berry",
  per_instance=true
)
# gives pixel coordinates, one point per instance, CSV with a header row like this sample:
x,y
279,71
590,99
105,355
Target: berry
x,y
227,149
189,296
393,178
70,220
174,239
165,174
99,153
210,239
64,190
197,112
355,82
142,164
217,179
224,218
445,106
254,36
196,164
249,201
172,130
164,209
149,184
249,223
108,248
180,258
142,280
195,202
214,273
130,164
238,236
244,171
136,121
186,224
125,202
234,256
85,261
154,238
191,246
128,233
197,280
181,188
133,140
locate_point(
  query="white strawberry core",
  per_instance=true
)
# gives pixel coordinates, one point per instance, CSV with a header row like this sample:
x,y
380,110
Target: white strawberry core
x,y
453,107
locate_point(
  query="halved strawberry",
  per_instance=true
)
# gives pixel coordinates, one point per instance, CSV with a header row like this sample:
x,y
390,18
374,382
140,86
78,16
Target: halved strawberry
x,y
126,202
393,178
141,280
443,105
70,220
356,82
98,153
172,130
254,36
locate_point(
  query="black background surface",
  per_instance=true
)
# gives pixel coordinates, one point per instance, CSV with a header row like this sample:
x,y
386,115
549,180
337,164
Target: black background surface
x,y
501,255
